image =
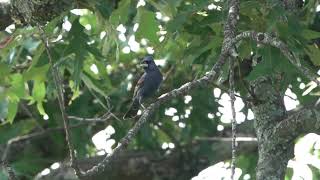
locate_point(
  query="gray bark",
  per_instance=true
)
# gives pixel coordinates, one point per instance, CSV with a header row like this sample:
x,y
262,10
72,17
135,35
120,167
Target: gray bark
x,y
269,110
22,12
276,129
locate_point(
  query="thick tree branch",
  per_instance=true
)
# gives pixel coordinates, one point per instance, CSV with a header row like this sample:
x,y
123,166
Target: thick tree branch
x,y
23,12
274,153
9,170
301,121
265,38
5,19
227,49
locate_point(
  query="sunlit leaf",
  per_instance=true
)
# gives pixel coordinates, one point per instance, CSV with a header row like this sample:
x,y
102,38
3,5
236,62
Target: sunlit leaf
x,y
39,91
17,86
40,108
37,73
12,110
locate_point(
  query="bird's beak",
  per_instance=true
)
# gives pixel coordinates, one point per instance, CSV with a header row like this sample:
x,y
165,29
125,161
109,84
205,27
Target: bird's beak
x,y
143,64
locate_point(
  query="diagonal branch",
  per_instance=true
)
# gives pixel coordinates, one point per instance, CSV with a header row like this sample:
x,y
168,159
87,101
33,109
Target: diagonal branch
x,y
31,136
58,83
227,50
265,38
300,121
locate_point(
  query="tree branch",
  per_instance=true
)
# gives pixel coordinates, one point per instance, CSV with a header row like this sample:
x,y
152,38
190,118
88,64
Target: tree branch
x,y
301,121
265,38
5,19
233,122
9,170
227,50
145,165
32,136
58,84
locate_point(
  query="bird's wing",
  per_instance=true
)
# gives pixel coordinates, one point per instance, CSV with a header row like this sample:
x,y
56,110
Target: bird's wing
x,y
139,85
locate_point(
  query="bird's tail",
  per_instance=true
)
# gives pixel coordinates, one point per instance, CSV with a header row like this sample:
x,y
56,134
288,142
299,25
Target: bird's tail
x,y
134,108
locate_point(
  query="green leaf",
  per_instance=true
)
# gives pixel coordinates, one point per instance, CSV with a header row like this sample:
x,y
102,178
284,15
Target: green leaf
x,y
37,73
78,46
248,6
40,108
75,91
50,27
310,34
90,84
272,62
37,55
314,54
245,49
168,8
17,86
90,19
39,91
120,15
77,69
176,23
12,110
4,69
148,25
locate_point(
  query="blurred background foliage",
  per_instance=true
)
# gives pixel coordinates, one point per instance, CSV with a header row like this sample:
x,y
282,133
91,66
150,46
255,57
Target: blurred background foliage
x,y
97,50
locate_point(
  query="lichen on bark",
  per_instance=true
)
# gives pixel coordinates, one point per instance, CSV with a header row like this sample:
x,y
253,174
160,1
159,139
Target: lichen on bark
x,y
37,11
269,110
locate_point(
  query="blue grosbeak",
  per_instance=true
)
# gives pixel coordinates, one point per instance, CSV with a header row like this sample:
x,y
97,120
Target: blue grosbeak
x,y
147,85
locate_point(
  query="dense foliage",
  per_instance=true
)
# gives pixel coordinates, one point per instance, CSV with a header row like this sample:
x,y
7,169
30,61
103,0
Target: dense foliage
x,y
97,51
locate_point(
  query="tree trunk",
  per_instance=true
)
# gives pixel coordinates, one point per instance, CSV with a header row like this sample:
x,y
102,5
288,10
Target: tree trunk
x,y
269,110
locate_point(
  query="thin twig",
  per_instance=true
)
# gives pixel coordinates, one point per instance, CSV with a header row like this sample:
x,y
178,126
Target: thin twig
x,y
31,115
234,122
227,50
98,99
58,84
227,91
32,136
103,118
106,107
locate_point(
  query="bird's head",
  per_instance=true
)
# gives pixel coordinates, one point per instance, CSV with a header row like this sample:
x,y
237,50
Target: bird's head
x,y
148,63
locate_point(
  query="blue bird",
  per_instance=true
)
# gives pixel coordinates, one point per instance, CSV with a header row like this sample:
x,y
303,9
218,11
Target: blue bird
x,y
147,85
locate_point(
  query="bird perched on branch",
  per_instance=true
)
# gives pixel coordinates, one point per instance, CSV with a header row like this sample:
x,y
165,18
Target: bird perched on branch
x,y
147,85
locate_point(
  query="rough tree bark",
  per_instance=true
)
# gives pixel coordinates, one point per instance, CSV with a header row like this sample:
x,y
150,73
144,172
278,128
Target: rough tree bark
x,y
276,129
269,109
